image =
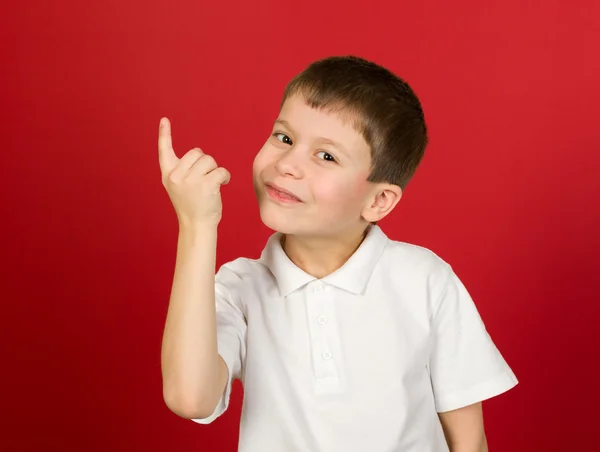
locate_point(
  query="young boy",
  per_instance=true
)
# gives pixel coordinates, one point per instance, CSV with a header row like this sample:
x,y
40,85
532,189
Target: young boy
x,y
343,339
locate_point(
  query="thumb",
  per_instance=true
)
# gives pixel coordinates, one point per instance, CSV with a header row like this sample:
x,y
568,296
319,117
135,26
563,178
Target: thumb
x,y
220,176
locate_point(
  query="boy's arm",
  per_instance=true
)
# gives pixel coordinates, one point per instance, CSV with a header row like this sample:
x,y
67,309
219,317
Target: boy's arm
x,y
463,429
194,375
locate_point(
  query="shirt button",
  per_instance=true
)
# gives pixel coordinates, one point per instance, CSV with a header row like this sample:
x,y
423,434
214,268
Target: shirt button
x,y
319,288
326,355
322,320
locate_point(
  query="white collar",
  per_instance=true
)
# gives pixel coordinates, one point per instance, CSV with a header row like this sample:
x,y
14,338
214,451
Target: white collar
x,y
352,276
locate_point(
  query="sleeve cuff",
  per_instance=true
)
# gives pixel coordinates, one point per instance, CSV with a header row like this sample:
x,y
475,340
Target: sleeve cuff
x,y
223,401
486,390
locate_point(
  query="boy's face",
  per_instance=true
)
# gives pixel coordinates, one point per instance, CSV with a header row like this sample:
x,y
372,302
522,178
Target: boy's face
x,y
320,159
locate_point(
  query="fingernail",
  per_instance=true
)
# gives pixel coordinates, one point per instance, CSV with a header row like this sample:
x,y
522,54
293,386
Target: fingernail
x,y
163,122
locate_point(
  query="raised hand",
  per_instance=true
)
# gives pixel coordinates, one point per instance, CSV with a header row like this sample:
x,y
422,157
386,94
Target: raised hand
x,y
193,182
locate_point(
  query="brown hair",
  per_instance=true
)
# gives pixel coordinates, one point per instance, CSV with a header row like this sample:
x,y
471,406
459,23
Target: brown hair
x,y
384,108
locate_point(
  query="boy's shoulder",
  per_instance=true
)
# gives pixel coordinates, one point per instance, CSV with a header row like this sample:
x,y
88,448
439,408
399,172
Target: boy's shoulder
x,y
242,268
405,255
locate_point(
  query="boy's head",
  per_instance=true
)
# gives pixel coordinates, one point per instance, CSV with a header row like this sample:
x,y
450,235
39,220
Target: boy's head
x,y
349,137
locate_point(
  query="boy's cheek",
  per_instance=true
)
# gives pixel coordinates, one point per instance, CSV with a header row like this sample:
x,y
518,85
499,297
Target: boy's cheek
x,y
360,185
258,165
340,200
348,187
339,194
263,159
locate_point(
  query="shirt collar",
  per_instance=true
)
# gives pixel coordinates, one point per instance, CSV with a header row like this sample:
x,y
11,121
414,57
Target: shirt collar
x,y
352,276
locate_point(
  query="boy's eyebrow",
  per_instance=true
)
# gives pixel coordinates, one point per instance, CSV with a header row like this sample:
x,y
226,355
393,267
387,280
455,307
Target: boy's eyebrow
x,y
322,139
335,144
283,122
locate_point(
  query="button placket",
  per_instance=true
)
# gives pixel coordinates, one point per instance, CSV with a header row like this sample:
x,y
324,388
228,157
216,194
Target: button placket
x,y
323,364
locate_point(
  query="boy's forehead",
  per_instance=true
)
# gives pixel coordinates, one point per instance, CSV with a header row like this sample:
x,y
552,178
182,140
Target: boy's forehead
x,y
337,124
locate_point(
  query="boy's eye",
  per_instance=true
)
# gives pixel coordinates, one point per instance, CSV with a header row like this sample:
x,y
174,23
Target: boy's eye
x,y
283,138
326,156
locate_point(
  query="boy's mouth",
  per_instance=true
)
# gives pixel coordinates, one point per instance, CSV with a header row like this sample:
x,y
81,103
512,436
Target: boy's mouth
x,y
280,194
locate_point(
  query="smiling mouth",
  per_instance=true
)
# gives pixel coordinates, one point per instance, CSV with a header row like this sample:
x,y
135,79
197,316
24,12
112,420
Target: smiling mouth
x,y
281,195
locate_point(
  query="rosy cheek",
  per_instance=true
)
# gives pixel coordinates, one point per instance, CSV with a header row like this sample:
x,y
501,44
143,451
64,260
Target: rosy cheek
x,y
337,193
327,189
347,194
260,161
256,165
360,185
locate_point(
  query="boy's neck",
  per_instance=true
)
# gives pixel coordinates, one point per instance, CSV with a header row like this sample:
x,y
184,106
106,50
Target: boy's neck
x,y
321,256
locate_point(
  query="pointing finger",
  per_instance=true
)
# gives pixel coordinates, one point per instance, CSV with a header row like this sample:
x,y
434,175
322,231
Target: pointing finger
x,y
166,155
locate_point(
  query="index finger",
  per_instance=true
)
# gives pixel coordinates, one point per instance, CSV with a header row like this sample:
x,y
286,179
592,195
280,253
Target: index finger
x,y
166,155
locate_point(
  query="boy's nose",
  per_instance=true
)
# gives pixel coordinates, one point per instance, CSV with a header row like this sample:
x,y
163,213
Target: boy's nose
x,y
288,165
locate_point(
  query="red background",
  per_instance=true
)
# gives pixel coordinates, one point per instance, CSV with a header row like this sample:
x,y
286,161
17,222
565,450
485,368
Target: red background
x,y
507,193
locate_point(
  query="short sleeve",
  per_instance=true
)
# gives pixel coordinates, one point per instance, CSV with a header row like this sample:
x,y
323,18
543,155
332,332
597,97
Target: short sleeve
x,y
465,365
231,333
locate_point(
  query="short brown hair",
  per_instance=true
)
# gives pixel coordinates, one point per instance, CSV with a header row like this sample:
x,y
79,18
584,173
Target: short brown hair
x,y
385,109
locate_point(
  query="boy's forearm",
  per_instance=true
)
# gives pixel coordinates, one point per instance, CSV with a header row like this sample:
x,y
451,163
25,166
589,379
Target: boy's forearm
x,y
463,429
190,363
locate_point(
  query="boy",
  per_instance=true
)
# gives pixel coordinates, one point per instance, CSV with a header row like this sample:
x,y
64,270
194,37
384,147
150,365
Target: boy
x,y
344,339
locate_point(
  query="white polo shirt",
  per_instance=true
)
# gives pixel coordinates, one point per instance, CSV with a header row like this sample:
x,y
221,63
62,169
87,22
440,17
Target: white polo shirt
x,y
359,361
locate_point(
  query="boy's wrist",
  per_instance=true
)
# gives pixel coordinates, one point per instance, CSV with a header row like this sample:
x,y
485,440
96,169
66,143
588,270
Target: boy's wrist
x,y
198,230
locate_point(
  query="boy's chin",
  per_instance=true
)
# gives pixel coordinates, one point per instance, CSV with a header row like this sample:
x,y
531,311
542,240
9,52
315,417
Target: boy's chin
x,y
287,223
280,222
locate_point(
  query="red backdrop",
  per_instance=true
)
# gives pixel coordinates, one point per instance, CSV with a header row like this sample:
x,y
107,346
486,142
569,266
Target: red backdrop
x,y
507,193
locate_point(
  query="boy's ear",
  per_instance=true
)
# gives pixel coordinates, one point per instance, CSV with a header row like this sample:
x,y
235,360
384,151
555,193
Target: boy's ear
x,y
382,202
